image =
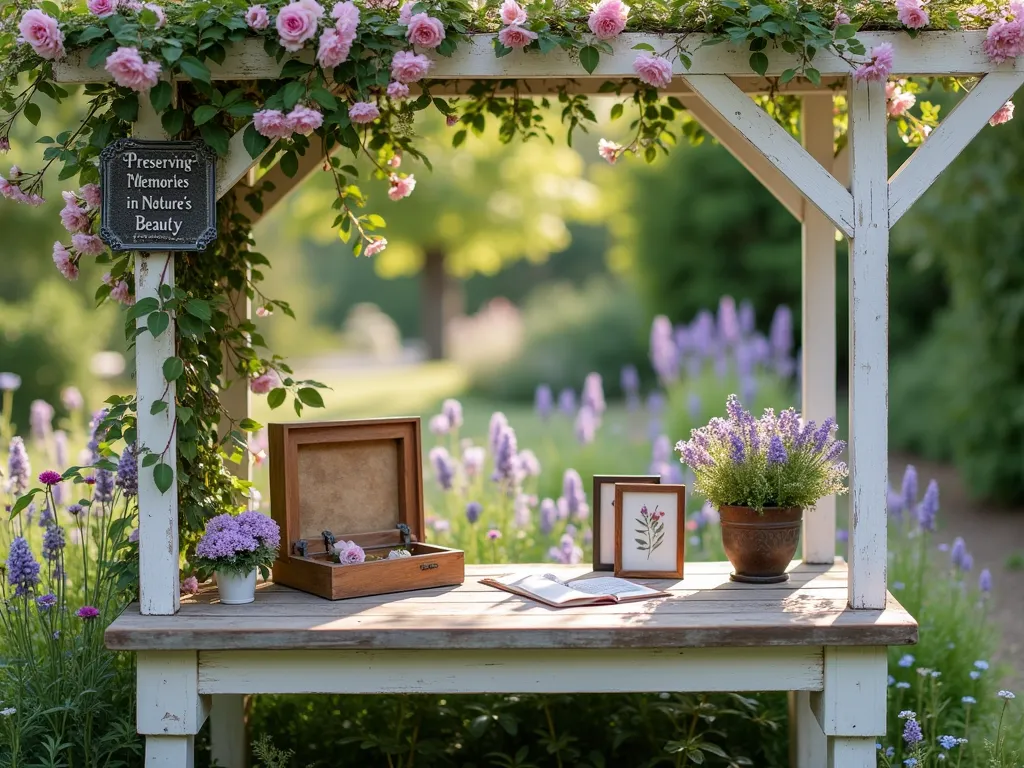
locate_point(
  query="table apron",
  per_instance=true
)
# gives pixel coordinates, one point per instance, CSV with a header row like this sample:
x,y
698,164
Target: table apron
x,y
796,668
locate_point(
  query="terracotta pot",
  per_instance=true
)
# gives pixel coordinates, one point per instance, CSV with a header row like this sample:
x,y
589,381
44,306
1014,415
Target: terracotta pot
x,y
760,547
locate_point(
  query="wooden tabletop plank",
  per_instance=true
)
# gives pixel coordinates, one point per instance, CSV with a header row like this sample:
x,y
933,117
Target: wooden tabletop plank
x,y
704,610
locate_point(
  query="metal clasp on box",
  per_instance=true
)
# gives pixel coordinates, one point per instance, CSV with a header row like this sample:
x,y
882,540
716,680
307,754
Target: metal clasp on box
x,y
328,540
406,534
300,548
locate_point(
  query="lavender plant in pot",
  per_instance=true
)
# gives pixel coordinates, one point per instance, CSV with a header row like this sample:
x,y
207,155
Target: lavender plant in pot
x,y
761,474
234,548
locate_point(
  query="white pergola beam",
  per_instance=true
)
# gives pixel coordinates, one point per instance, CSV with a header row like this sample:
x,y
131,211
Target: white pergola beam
x,y
309,164
869,345
930,53
236,164
774,180
777,146
818,289
949,139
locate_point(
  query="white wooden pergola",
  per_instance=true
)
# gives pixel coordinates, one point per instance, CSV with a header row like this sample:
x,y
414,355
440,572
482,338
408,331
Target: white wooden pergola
x,y
823,636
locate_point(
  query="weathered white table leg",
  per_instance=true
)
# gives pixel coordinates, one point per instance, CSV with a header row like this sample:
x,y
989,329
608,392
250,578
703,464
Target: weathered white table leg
x,y
851,708
227,730
170,709
809,744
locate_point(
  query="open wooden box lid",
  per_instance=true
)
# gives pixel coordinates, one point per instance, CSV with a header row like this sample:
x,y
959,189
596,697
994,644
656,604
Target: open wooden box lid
x,y
356,479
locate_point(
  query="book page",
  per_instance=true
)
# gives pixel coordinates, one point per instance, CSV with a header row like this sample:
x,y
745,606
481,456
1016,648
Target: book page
x,y
548,590
609,585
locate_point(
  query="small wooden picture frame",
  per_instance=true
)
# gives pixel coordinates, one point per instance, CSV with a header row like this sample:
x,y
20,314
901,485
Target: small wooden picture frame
x,y
603,502
650,530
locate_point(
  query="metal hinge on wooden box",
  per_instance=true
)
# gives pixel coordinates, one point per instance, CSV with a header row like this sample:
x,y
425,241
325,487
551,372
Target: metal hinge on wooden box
x,y
359,481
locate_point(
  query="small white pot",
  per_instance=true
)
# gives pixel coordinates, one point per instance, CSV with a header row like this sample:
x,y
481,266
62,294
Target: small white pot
x,y
236,589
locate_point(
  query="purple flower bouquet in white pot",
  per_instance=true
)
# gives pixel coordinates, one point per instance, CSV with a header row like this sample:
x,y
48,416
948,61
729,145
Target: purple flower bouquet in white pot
x,y
234,548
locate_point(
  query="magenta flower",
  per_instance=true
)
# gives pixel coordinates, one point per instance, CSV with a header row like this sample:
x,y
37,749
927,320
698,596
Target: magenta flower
x,y
880,65
87,612
1003,115
49,477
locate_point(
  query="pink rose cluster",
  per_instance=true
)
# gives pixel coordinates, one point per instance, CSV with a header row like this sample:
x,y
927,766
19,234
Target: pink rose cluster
x,y
653,70
841,17
401,186
513,34
297,23
1005,38
266,381
897,101
129,70
77,218
119,290
275,124
375,246
257,18
363,112
608,19
911,13
43,33
1003,115
406,67
15,192
336,43
879,67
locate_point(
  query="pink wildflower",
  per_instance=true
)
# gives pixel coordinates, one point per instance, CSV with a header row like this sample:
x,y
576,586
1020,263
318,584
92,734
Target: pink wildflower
x,y
102,8
305,120
401,186
190,586
74,218
911,14
62,259
272,124
398,91
257,18
363,112
451,120
841,18
512,13
609,150
405,14
297,23
91,194
395,161
87,612
334,49
120,293
265,382
346,16
1003,115
653,70
425,31
408,67
128,69
43,33
377,245
1005,40
879,67
516,37
898,101
608,19
15,171
87,245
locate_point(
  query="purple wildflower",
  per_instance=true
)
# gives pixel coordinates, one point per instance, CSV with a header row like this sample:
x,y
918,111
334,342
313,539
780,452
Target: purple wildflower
x,y
49,477
72,398
835,450
40,419
473,511
661,451
656,403
46,602
776,451
260,527
505,463
909,488
593,394
439,425
46,516
947,742
912,732
224,538
693,406
737,450
586,425
473,457
544,401
728,320
842,535
452,409
493,534
629,379
574,495
566,552
747,318
53,542
19,470
22,568
9,382
444,467
529,464
548,516
929,507
956,554
87,612
663,351
967,564
103,491
735,410
781,341
95,437
498,425
985,581
128,472
702,333
75,510
523,510
894,503
824,432
567,402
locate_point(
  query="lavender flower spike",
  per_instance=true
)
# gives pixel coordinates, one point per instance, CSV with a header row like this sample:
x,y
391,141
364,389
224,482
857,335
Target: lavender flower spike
x,y
19,469
544,401
128,472
776,451
929,507
909,488
22,568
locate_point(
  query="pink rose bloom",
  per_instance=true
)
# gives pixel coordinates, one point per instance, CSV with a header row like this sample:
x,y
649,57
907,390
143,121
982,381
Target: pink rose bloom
x,y
879,67
375,247
265,382
102,8
346,17
16,172
161,17
405,14
911,14
257,17
1004,115
363,112
119,293
91,194
43,33
608,19
840,19
5,145
401,186
65,265
305,120
609,150
190,586
516,37
451,120
653,70
899,103
512,13
74,218
272,124
425,31
349,553
409,67
395,161
334,48
297,23
398,91
1005,41
87,245
128,69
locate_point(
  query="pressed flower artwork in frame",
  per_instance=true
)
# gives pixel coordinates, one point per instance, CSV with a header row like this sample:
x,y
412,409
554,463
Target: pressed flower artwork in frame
x,y
649,530
604,523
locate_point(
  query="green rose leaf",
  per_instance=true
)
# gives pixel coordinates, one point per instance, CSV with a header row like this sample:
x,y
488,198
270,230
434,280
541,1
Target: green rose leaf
x,y
311,397
163,476
589,58
173,368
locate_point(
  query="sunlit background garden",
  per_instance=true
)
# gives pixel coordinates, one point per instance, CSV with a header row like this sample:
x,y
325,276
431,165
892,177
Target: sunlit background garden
x,y
596,314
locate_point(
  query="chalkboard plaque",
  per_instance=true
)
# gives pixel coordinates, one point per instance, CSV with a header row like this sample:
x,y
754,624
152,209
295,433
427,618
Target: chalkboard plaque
x,y
158,195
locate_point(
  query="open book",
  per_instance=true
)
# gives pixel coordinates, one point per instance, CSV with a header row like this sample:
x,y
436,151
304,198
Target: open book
x,y
548,589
